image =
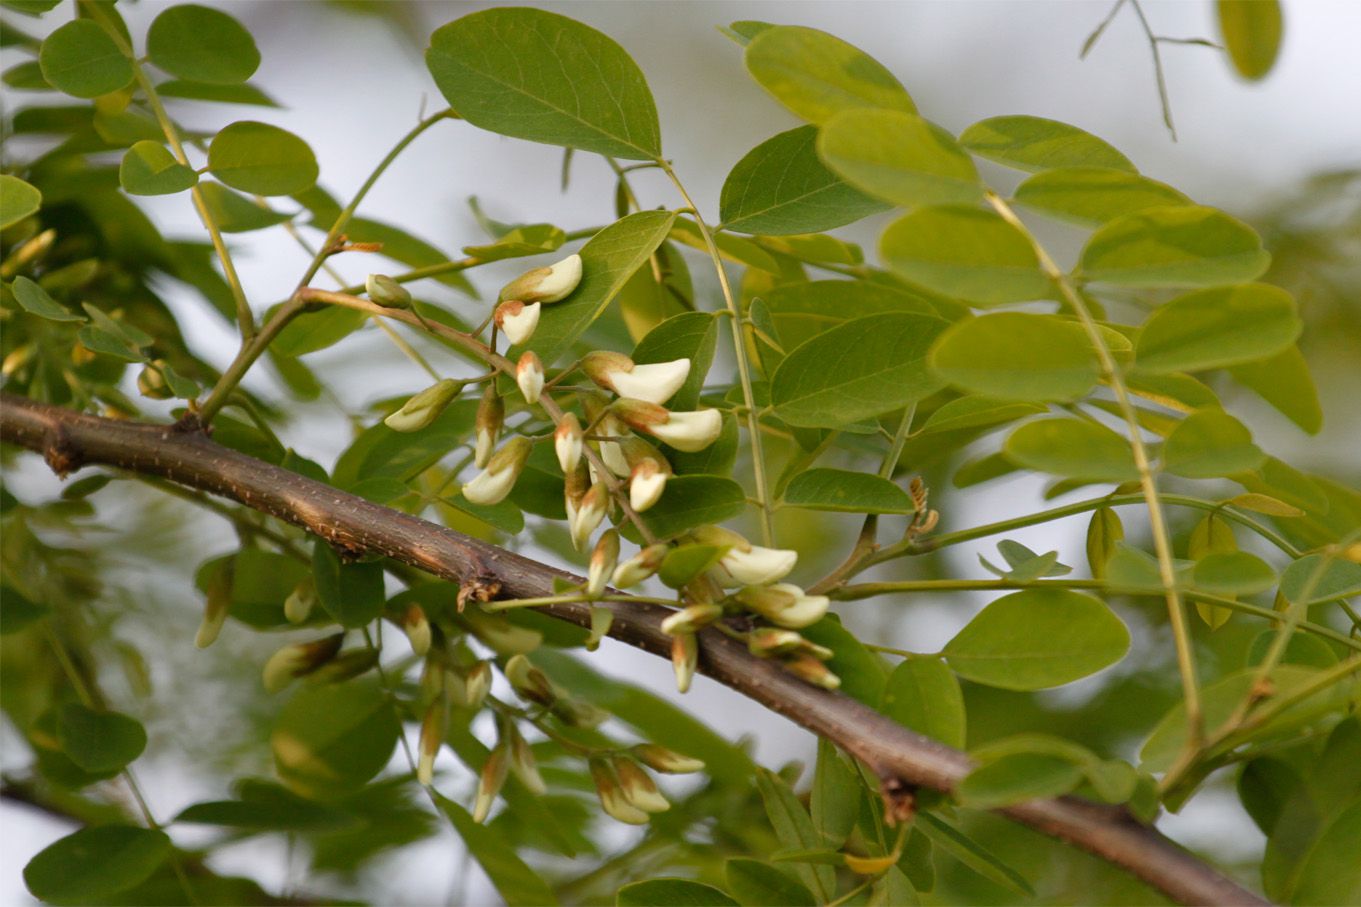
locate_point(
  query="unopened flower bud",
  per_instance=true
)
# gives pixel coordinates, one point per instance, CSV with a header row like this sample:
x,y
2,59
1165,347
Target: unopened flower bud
x,y
639,567
688,431
653,383
810,669
684,659
432,738
491,413
468,687
424,408
589,514
492,484
295,660
517,320
784,604
575,713
217,602
567,443
434,682
529,376
417,629
661,759
298,606
151,383
529,682
522,762
647,481
601,621
603,560
490,781
550,284
387,292
637,785
771,641
692,618
612,798
345,666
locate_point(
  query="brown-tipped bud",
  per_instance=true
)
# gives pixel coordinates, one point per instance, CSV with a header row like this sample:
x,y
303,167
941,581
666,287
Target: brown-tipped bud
x,y
639,567
808,668
603,559
417,629
691,618
529,682
424,408
661,759
298,606
767,642
550,284
589,514
346,666
576,713
151,383
685,431
491,415
652,383
612,798
567,443
489,783
684,659
432,738
529,376
434,680
637,785
468,687
517,320
648,472
784,604
387,292
493,483
295,660
217,602
522,762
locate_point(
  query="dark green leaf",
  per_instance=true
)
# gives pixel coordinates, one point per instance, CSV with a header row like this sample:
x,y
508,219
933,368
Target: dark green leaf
x,y
757,884
795,831
834,802
899,157
817,75
862,672
265,807
1038,638
1073,448
1018,777
331,739
536,75
922,694
1017,356
691,501
1180,246
17,200
80,59
1094,195
202,44
859,369
99,742
972,854
149,168
18,611
846,491
689,335
92,864
350,593
36,301
671,893
262,159
781,187
1208,444
1218,327
515,881
683,563
1036,144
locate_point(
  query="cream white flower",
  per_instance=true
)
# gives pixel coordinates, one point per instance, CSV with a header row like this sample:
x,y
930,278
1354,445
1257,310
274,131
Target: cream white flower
x,y
550,284
646,484
432,738
661,759
612,798
685,431
691,618
639,567
653,382
529,376
603,559
493,483
567,442
425,407
784,604
517,320
417,629
589,514
756,566
638,787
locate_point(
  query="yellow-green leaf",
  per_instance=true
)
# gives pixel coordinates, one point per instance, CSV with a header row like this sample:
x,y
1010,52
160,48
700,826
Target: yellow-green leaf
x,y
1177,246
899,157
1035,143
817,75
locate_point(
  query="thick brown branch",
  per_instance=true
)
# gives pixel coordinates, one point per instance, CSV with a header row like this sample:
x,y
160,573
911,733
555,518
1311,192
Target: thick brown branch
x,y
899,757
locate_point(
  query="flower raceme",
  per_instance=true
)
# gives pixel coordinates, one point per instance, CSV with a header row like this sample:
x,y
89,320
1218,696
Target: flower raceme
x,y
551,284
652,383
686,431
493,483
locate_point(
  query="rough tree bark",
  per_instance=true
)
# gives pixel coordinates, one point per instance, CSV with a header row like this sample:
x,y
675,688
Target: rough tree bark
x,y
901,759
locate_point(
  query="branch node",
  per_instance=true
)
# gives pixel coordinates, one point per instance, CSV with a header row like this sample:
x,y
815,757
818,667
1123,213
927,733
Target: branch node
x,y
61,453
480,588
900,800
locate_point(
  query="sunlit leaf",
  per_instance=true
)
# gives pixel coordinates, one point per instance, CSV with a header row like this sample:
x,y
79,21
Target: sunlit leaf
x,y
899,157
17,200
1094,195
967,253
817,75
261,159
1017,356
1073,448
1210,443
1036,144
1218,327
1180,246
150,169
1252,34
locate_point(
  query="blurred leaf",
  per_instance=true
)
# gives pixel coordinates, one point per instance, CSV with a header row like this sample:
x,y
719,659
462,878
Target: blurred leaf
x,y
514,880
1017,777
36,301
817,75
202,44
795,831
149,169
1073,448
923,695
968,253
1317,578
94,863
671,893
330,740
1208,444
350,593
1283,380
1182,246
757,884
80,59
17,200
235,213
1037,144
19,611
972,854
99,741
261,159
1094,195
223,94
1017,356
1252,34
1218,327
899,157
846,491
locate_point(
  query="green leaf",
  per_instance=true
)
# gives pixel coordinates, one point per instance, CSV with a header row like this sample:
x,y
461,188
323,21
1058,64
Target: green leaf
x,y
1036,144
757,884
1038,638
1209,444
1262,503
795,831
222,94
817,75
82,60
1317,578
93,864
923,695
846,491
781,187
19,611
608,260
536,75
531,239
859,369
331,739
976,412
717,459
691,501
36,301
381,452
1252,35
1180,246
262,159
202,44
743,30
1094,195
804,309
899,157
834,802
1283,380
1219,327
1073,448
683,563
862,672
266,807
972,854
514,880
1232,573
689,335
312,331
351,593
1331,874
234,213
967,253
1017,777
99,742
149,168
1017,356
17,200
671,893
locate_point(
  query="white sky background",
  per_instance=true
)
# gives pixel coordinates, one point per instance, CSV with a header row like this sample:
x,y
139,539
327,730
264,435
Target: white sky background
x,y
351,86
